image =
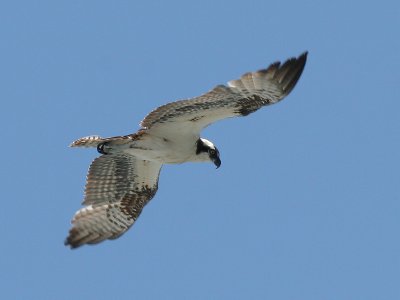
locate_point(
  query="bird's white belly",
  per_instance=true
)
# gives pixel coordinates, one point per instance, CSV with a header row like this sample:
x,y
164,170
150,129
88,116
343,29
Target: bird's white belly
x,y
162,150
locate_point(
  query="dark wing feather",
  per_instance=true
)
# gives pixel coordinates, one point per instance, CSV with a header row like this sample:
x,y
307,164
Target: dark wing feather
x,y
240,98
118,187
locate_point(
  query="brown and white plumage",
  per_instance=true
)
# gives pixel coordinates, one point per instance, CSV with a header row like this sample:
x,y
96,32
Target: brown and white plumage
x,y
240,98
125,178
118,187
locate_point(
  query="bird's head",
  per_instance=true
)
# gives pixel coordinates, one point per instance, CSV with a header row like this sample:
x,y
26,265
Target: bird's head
x,y
205,150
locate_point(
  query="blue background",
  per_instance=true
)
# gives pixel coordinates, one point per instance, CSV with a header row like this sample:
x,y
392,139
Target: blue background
x,y
306,203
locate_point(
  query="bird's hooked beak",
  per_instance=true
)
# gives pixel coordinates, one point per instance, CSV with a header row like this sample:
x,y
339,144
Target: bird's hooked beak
x,y
217,161
214,157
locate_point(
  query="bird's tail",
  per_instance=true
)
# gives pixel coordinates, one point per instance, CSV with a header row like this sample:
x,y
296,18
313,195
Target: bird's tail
x,y
95,140
88,141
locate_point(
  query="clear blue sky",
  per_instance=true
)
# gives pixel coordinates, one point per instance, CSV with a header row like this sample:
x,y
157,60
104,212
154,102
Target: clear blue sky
x,y
306,204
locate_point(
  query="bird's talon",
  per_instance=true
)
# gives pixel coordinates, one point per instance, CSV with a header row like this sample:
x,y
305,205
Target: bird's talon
x,y
100,147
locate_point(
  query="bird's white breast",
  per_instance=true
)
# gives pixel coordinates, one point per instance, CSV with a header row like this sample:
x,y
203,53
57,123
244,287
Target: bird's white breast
x,y
163,150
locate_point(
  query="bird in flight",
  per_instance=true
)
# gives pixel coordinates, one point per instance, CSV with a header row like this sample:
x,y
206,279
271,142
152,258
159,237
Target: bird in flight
x,y
124,178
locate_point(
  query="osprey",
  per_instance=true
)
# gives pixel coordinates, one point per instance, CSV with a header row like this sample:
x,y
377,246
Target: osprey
x,y
124,178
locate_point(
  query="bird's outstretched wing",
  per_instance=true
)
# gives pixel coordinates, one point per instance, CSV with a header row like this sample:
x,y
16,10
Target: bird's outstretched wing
x,y
240,98
118,187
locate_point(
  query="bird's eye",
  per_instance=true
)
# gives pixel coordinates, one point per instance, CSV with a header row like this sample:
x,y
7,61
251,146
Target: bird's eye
x,y
212,152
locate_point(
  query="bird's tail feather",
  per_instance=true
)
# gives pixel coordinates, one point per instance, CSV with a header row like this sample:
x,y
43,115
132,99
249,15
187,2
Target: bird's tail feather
x,y
88,141
95,140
